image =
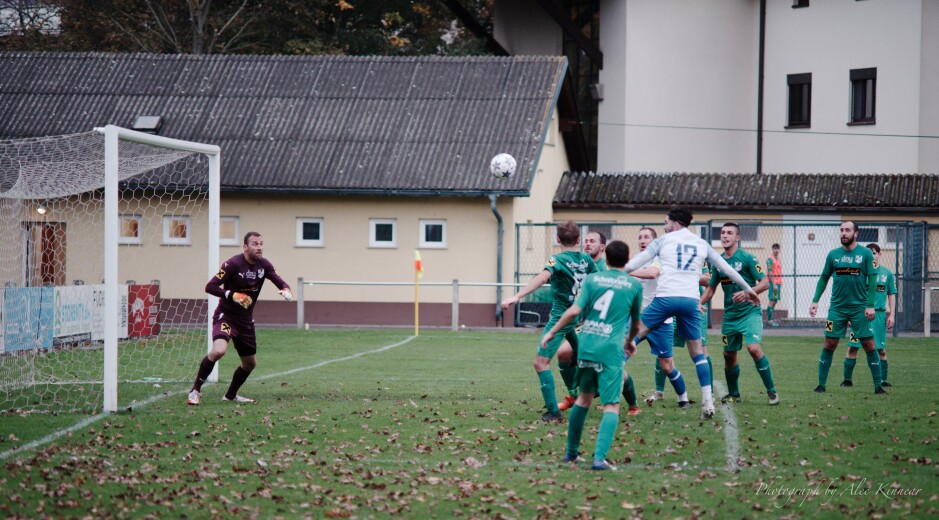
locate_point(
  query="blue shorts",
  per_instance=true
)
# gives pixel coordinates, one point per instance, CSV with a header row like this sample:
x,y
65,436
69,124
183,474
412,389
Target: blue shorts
x,y
660,339
685,310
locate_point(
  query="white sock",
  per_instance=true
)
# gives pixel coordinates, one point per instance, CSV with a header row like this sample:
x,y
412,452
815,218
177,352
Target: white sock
x,y
683,397
706,394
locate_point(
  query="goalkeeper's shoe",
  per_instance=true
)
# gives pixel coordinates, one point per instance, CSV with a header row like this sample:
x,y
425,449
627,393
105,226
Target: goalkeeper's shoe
x,y
194,396
567,402
239,399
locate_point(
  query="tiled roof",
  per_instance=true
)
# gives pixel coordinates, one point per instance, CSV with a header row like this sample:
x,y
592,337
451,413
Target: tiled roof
x,y
643,190
305,124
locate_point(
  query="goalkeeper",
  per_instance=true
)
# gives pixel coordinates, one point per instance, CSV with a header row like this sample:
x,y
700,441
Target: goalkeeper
x,y
237,284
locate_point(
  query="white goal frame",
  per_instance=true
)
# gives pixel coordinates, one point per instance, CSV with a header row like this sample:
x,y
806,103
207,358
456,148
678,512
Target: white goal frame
x,y
112,137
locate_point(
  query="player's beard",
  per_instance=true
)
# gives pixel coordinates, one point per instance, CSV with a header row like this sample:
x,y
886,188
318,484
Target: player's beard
x,y
847,241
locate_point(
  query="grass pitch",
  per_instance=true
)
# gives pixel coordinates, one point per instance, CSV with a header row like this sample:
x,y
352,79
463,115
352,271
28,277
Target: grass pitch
x,y
376,424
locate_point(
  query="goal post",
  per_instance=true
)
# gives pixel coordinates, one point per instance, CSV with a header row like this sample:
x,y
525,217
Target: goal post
x,y
112,137
111,236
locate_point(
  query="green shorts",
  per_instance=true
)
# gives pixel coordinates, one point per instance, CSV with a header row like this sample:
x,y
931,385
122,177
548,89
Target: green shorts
x,y
880,332
600,379
567,332
837,325
773,292
679,342
743,331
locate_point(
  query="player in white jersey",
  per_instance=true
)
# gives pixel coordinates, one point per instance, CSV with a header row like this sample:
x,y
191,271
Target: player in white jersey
x,y
660,339
681,254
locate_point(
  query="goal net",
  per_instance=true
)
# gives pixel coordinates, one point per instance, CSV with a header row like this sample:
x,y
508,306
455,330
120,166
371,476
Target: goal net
x,y
108,248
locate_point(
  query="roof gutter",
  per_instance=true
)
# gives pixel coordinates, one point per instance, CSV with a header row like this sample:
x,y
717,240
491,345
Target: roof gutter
x,y
378,191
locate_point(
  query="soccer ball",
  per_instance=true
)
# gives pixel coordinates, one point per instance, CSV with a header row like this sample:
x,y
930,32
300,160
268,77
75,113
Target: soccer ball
x,y
502,166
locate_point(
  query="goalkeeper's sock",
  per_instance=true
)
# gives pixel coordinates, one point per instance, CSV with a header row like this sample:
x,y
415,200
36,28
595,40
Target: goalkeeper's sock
x,y
237,379
629,391
205,368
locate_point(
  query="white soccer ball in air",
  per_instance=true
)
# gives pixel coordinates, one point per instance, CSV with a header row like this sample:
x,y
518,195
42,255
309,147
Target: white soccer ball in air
x,y
502,166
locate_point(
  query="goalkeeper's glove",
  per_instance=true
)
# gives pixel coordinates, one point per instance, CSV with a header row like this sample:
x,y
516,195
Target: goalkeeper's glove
x,y
286,294
241,299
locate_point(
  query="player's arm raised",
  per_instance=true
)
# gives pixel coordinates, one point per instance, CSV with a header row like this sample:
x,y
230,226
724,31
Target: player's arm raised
x,y
533,284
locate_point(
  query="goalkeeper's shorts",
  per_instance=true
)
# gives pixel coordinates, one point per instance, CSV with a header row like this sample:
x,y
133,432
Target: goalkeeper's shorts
x,y
240,334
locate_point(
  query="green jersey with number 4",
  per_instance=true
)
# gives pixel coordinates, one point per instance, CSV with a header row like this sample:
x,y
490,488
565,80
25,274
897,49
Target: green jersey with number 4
x,y
610,300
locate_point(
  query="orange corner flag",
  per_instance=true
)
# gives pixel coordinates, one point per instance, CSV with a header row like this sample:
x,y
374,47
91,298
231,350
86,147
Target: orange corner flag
x,y
418,264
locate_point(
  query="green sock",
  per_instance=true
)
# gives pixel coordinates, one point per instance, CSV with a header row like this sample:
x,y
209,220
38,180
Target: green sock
x,y
629,391
567,373
575,427
769,314
711,367
824,365
883,371
546,379
873,361
733,379
766,374
849,368
659,378
605,435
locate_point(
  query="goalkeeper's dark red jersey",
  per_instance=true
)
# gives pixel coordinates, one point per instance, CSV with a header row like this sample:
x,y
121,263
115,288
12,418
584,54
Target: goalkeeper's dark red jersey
x,y
237,275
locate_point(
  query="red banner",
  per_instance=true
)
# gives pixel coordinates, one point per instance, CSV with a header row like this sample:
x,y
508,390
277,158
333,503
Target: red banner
x,y
143,303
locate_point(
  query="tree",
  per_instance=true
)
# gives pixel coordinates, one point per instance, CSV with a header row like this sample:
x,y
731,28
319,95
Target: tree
x,y
355,27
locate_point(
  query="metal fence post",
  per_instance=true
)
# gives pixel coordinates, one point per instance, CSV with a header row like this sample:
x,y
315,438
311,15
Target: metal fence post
x,y
300,320
455,306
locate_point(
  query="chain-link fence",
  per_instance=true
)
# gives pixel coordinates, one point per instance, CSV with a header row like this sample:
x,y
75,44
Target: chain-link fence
x,y
803,248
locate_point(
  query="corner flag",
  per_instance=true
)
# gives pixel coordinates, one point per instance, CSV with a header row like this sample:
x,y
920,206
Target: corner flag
x,y
418,264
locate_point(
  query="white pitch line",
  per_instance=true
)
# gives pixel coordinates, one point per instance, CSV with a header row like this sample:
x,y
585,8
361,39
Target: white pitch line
x,y
95,418
731,434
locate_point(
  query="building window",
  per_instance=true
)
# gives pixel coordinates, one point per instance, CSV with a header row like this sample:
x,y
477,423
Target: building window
x,y
382,232
863,96
800,100
433,234
176,230
130,230
884,236
310,232
228,232
799,3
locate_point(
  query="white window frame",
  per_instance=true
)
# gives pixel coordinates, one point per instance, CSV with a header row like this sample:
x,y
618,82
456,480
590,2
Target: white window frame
x,y
300,242
422,228
881,237
137,240
233,240
373,223
176,241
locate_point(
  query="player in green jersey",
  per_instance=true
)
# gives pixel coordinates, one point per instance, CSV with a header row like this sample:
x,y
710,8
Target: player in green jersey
x,y
885,304
852,300
565,271
743,321
611,302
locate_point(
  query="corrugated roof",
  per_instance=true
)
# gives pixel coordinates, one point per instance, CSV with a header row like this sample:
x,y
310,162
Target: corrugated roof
x,y
640,190
307,124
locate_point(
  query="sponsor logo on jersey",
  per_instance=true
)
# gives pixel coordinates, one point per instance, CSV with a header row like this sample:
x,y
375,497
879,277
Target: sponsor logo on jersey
x,y
260,273
759,268
738,266
226,328
597,327
829,326
220,274
551,262
848,271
